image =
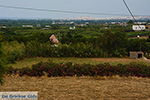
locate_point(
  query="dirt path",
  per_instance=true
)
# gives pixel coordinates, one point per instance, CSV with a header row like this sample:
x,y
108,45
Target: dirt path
x,y
81,88
115,59
121,60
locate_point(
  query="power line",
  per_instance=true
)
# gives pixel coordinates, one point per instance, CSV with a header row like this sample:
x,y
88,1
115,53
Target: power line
x,y
61,11
131,13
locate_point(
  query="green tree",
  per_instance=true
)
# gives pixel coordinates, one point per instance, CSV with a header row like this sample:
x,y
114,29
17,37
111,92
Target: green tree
x,y
138,45
130,22
114,43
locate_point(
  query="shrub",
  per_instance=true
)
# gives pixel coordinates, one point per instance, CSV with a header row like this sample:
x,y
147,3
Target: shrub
x,y
71,69
13,51
34,49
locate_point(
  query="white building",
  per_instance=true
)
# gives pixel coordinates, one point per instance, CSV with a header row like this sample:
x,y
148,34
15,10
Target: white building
x,y
139,23
47,26
138,27
38,25
27,26
72,28
3,27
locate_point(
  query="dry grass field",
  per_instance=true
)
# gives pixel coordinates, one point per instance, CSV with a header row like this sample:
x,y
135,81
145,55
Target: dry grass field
x,y
81,88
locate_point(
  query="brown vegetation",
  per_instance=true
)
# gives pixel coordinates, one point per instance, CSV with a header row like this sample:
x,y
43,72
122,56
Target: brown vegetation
x,y
81,88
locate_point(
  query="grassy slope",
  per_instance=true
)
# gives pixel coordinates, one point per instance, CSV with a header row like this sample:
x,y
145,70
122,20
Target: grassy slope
x,y
28,62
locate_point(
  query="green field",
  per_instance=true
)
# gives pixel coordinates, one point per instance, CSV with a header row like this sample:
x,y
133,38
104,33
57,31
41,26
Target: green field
x,y
28,62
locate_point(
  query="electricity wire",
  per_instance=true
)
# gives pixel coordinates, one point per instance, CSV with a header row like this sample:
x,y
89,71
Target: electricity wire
x,y
60,11
131,13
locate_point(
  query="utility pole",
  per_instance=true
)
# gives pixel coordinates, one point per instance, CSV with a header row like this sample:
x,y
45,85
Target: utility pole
x,y
140,42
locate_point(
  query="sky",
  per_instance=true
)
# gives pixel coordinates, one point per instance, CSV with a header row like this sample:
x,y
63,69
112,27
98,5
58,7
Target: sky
x,y
138,7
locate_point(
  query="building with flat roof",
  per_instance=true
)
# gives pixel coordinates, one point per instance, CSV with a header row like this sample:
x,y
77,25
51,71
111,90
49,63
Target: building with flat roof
x,y
138,27
27,26
141,27
147,27
136,54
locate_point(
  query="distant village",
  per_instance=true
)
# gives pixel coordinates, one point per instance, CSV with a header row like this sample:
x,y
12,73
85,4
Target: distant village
x,y
72,25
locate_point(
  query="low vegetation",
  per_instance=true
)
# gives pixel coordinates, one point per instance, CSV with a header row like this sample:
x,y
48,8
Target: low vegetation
x,y
71,69
87,41
28,62
106,45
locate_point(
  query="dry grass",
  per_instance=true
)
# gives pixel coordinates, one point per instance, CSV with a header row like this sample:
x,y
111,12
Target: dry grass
x,y
81,88
121,60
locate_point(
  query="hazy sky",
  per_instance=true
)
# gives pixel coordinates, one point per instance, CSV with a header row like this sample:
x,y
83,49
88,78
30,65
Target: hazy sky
x,y
138,7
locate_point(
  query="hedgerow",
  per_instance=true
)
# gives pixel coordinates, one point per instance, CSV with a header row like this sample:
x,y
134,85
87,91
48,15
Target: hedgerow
x,y
70,69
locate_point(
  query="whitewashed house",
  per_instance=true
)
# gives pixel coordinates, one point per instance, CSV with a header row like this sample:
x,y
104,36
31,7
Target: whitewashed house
x,y
3,27
72,28
138,27
27,26
47,26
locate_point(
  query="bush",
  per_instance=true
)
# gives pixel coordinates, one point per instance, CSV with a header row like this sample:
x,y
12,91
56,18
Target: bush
x,y
34,49
71,69
13,51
